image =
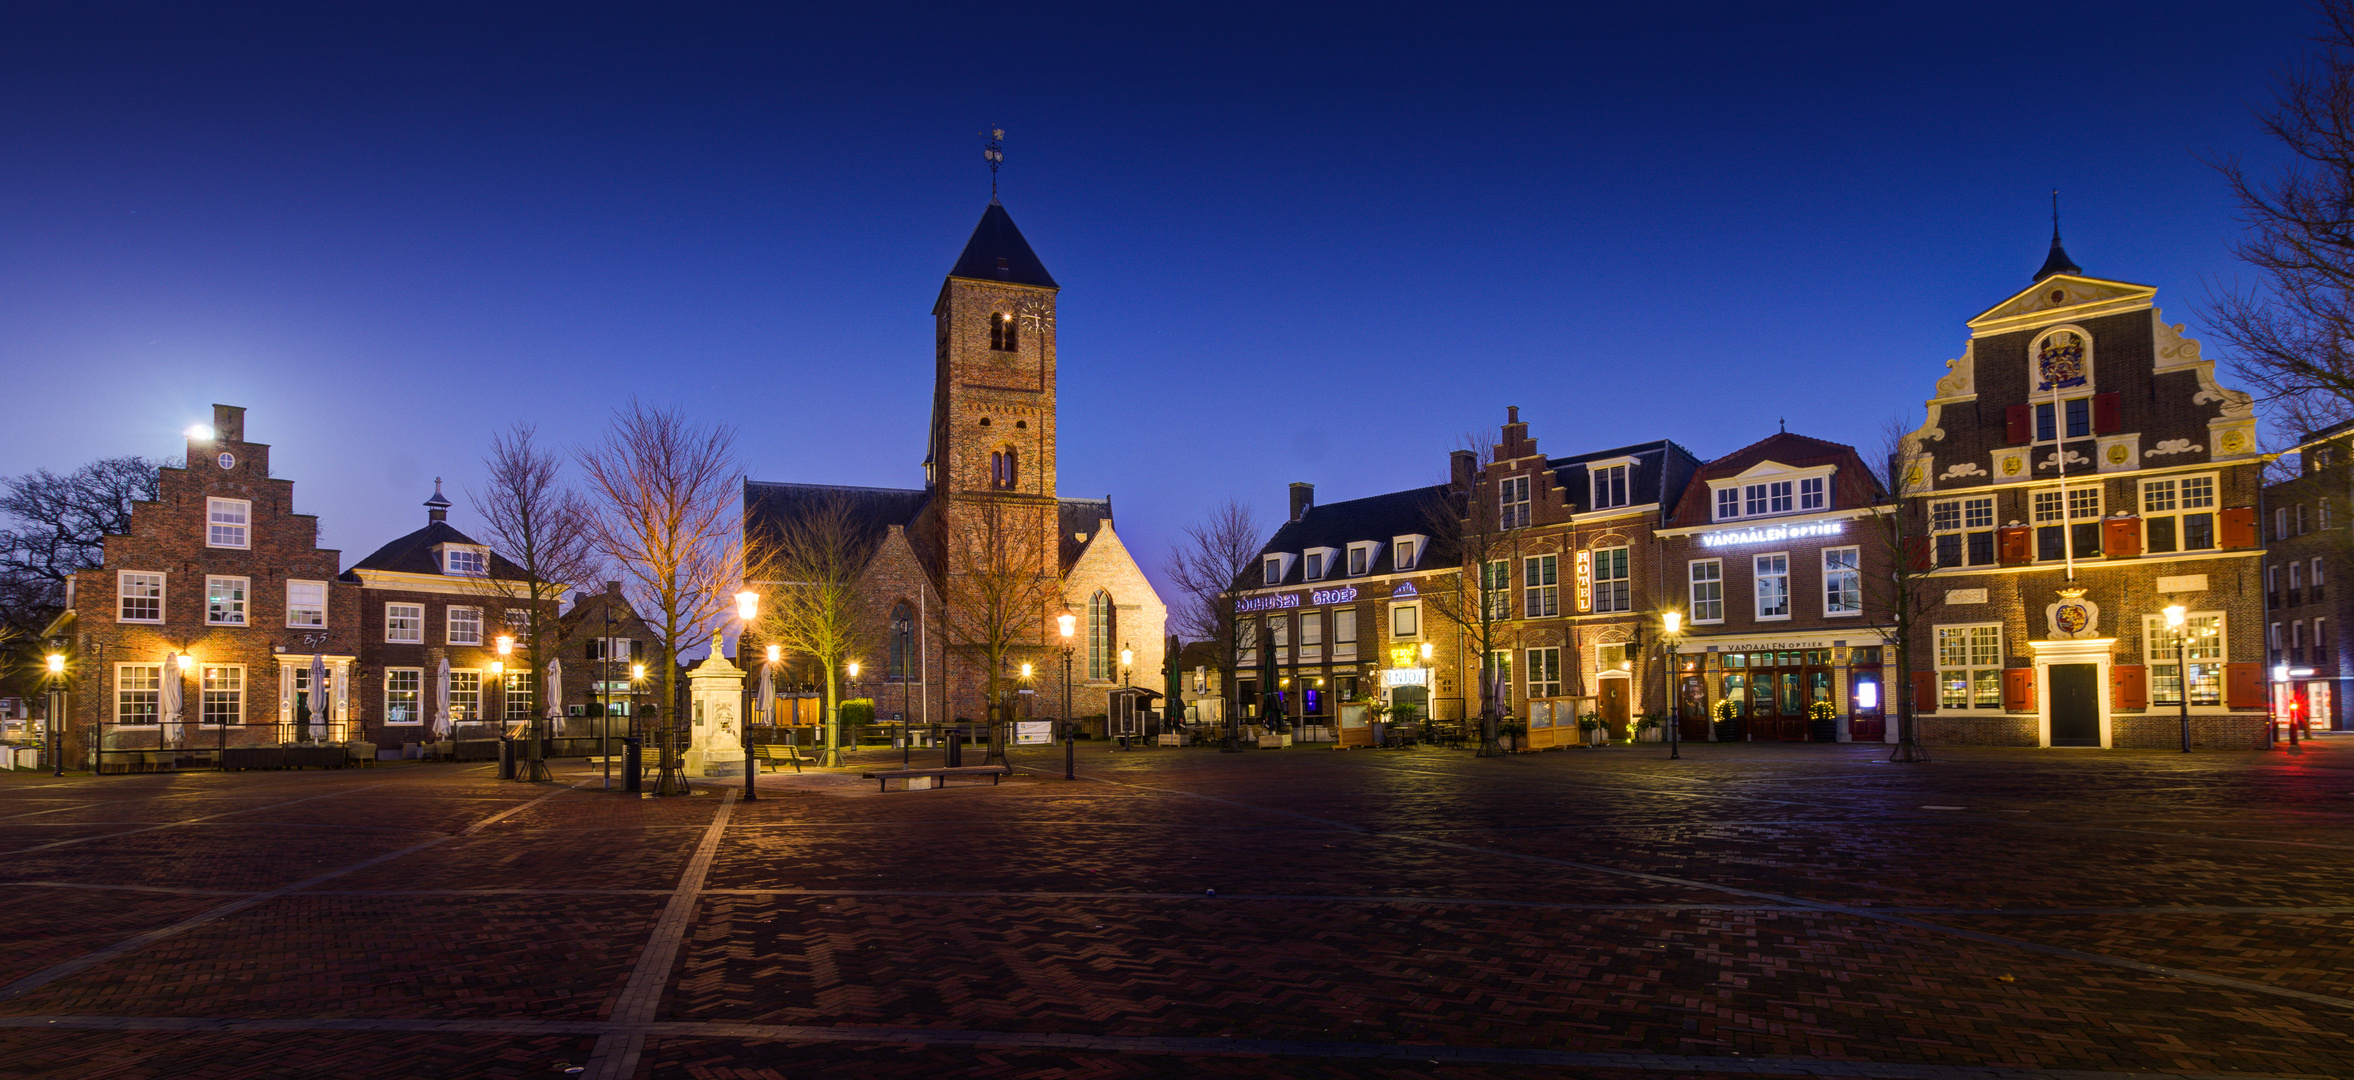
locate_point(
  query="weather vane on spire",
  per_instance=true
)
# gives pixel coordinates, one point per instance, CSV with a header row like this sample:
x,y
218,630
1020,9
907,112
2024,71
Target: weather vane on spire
x,y
994,154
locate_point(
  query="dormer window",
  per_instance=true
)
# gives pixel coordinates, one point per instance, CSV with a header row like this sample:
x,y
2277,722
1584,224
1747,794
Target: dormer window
x,y
1405,550
1813,493
1610,487
1315,566
465,562
1271,570
1405,555
1005,333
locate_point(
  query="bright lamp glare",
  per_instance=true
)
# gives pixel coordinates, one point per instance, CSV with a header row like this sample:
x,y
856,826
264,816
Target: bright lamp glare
x,y
506,644
1065,621
1867,695
200,432
1025,671
2174,614
854,669
776,653
637,671
56,663
748,605
187,660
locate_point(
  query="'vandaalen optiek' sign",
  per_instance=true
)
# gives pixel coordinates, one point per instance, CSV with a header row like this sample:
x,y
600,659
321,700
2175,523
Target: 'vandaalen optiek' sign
x,y
1774,534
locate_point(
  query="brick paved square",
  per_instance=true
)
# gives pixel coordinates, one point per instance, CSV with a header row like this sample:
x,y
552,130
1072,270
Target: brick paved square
x,y
1749,911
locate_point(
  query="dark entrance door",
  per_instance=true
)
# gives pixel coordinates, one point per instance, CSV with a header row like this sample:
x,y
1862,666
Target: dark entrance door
x,y
2076,705
1869,723
1614,706
1692,710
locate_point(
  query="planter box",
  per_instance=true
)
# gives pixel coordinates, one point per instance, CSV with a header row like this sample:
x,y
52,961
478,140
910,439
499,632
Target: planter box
x,y
1170,740
1274,742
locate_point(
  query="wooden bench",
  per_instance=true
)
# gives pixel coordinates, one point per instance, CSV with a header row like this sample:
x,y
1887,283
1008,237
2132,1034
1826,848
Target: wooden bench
x,y
774,754
993,772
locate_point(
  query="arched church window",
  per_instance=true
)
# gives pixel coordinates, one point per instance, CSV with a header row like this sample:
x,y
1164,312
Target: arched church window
x,y
902,643
1003,469
1005,332
1099,635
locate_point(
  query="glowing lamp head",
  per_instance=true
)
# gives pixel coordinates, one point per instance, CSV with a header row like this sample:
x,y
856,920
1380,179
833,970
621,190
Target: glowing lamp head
x,y
506,644
776,653
2174,616
200,432
1674,621
56,663
187,660
1127,657
1025,671
1066,622
747,605
498,667
854,669
1426,650
1626,665
637,672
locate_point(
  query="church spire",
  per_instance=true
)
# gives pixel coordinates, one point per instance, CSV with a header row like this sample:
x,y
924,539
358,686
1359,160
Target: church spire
x,y
2057,262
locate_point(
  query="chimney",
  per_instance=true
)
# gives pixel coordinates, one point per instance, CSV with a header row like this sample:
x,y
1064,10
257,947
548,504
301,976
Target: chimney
x,y
612,588
1463,469
1516,444
229,423
437,508
1303,499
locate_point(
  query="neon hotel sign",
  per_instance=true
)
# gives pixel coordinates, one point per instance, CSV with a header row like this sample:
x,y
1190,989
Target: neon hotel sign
x,y
1772,534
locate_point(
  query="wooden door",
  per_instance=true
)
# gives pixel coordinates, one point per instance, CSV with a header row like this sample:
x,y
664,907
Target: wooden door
x,y
2076,705
1865,698
1614,706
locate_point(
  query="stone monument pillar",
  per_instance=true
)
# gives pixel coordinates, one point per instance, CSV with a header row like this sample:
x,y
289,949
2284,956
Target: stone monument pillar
x,y
715,743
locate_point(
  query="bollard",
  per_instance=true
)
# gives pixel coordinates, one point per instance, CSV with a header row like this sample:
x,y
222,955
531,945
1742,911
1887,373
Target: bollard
x,y
633,766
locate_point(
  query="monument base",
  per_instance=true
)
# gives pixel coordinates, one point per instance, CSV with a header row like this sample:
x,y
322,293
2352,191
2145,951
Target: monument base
x,y
715,762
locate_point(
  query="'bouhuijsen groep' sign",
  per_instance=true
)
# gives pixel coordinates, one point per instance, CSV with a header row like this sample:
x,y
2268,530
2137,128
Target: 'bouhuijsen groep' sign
x,y
1284,601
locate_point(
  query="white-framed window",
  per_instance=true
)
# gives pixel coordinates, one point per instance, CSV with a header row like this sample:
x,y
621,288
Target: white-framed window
x,y
224,695
2079,525
138,597
1344,634
1814,492
1963,531
1970,666
1271,570
1311,636
1610,487
465,624
2077,411
2280,523
517,693
228,523
465,696
1314,566
224,601
1512,502
138,695
1246,642
1279,637
1773,585
1403,556
2178,514
617,648
1544,672
517,619
1541,578
306,603
404,623
404,695
2202,645
1753,500
1708,590
1495,588
1405,620
1728,503
1613,585
465,562
1360,559
1500,677
1843,581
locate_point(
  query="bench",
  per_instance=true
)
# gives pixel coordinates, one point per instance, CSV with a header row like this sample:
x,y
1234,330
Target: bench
x,y
993,772
774,754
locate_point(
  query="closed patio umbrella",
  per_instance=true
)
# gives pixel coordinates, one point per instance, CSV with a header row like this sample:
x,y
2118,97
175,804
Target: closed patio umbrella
x,y
168,704
441,700
768,695
319,695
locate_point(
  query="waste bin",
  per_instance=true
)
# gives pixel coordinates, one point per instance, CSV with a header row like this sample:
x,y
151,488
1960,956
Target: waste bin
x,y
633,769
506,759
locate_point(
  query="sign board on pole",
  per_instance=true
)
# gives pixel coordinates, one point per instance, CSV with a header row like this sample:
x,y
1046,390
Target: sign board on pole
x,y
1034,733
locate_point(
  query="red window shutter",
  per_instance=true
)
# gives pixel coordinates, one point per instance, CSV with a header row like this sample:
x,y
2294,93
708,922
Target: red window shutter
x,y
2121,537
2019,420
2011,546
2129,686
2237,528
2243,686
1924,691
2019,689
1916,553
2105,410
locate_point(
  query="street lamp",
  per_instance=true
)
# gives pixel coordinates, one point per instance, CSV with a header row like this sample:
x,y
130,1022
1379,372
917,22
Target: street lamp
x,y
56,701
748,609
637,686
2175,623
1066,622
1672,623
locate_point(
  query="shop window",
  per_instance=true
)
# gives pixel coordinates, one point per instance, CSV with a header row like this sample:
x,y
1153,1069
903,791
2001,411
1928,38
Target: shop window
x,y
1610,487
2178,514
224,696
465,701
1963,530
224,601
465,562
2078,525
1843,581
1541,579
1773,586
138,694
1708,590
2201,641
1613,588
1970,666
517,692
1544,673
138,597
1495,589
1513,502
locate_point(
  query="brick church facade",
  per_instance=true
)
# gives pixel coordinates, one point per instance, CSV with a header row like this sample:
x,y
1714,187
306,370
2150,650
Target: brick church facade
x,y
988,521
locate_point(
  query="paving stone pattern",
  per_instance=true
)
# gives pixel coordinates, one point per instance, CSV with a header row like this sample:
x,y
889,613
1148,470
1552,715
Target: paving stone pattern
x,y
1747,911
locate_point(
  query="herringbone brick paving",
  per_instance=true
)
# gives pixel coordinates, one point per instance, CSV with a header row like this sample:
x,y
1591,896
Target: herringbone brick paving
x,y
1799,905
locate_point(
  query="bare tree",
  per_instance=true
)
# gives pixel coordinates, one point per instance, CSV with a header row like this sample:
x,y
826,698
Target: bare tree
x,y
1899,599
1468,517
1206,566
2293,332
811,569
57,525
543,528
668,525
998,585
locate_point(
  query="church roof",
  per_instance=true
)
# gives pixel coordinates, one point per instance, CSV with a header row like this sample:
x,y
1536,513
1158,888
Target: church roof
x,y
1077,516
872,510
997,252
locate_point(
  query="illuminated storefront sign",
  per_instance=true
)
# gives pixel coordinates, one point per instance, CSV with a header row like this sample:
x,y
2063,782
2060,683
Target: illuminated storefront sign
x,y
1267,603
1585,569
1774,534
1405,588
1341,595
1405,676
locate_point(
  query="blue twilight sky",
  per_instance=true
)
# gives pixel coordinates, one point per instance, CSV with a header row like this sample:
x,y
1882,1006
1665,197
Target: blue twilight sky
x,y
1296,242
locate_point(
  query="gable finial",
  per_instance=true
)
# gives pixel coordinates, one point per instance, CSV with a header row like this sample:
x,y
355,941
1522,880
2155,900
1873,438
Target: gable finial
x,y
2057,262
994,153
2055,215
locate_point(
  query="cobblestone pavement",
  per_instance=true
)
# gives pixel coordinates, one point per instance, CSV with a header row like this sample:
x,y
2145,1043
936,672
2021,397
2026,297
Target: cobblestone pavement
x,y
1748,911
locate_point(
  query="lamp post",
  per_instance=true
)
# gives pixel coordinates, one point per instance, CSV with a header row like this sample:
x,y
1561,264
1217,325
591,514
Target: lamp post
x,y
1065,623
637,686
833,754
56,703
748,609
1672,623
1127,662
2177,624
906,694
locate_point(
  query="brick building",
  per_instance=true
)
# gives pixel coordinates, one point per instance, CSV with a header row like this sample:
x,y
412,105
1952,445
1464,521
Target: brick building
x,y
2080,471
219,591
602,644
2306,520
1771,547
433,596
988,513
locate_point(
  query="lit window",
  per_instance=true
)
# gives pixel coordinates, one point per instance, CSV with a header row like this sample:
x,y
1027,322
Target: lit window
x,y
224,601
1613,587
404,623
2178,514
138,691
404,693
1544,673
1005,332
1495,588
2201,643
1773,586
1344,634
139,596
517,692
1610,487
1813,493
224,696
1970,667
229,523
1541,577
306,603
1843,581
465,696
1708,591
465,625
1514,502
